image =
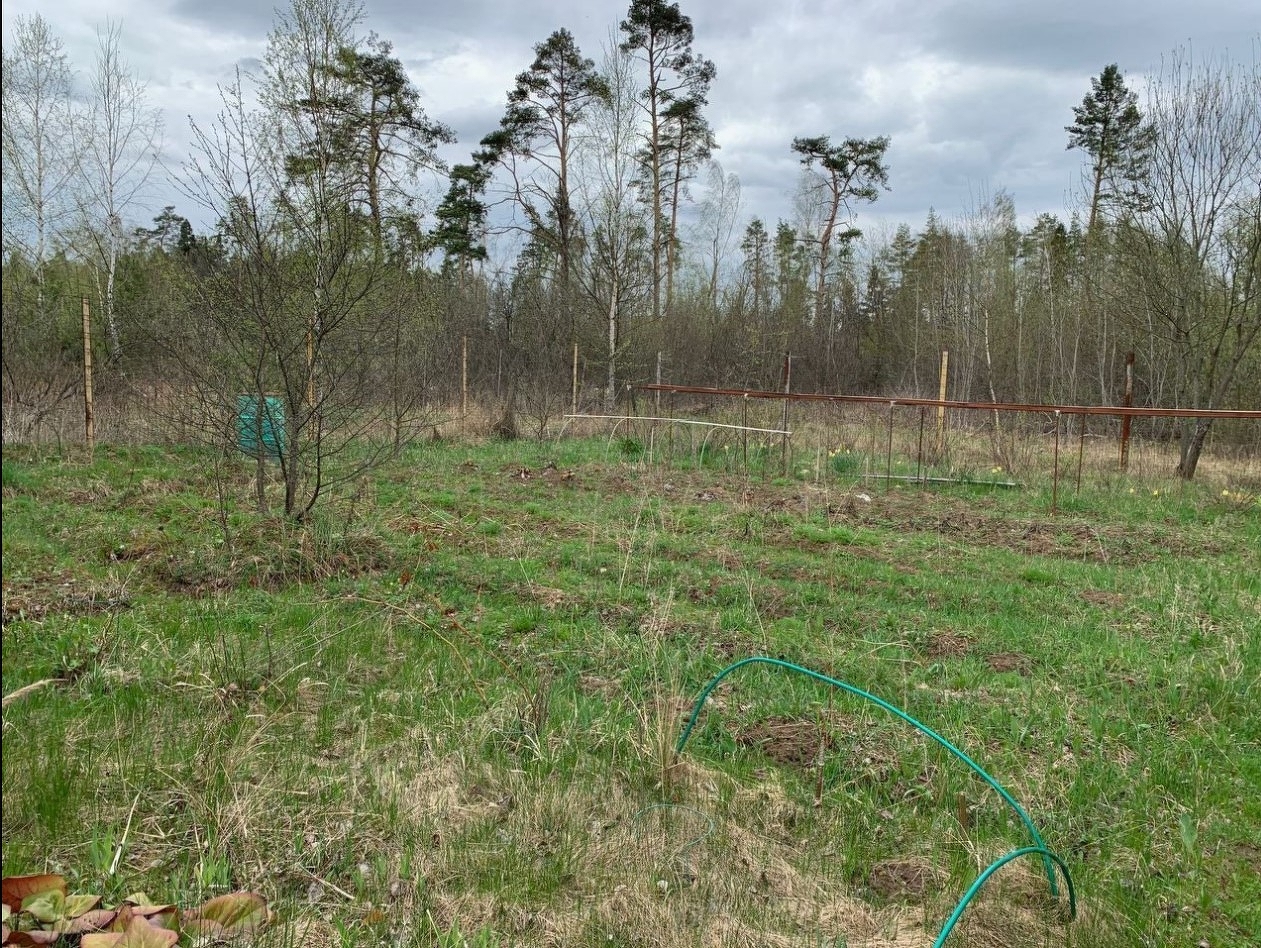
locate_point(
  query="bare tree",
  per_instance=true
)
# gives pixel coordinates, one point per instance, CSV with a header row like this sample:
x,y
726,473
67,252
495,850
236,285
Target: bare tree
x,y
715,229
1190,255
295,324
40,163
40,156
618,263
121,139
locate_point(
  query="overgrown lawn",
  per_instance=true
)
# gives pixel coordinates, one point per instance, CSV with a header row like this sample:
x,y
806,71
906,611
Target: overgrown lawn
x,y
444,710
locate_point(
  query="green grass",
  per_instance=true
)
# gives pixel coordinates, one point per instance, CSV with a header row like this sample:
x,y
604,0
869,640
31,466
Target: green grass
x,y
443,711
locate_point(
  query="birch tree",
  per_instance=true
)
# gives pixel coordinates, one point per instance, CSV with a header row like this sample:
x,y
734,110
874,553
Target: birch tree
x,y
715,228
40,145
39,168
618,265
121,141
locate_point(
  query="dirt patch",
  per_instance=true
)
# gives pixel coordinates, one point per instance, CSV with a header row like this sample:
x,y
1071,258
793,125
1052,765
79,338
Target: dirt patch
x,y
726,644
972,523
548,596
786,741
903,879
773,602
270,561
1249,854
1009,661
548,474
598,685
948,645
58,594
1100,598
706,593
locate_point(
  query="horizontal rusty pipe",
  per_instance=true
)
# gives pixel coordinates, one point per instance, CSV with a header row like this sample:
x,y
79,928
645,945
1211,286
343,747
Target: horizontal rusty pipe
x,y
1115,410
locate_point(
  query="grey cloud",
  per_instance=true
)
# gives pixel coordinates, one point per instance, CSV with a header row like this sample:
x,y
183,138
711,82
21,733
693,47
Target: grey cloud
x,y
1080,36
974,93
244,17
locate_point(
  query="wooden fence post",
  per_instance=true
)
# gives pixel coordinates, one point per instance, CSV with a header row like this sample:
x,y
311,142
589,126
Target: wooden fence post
x,y
1129,403
941,397
89,416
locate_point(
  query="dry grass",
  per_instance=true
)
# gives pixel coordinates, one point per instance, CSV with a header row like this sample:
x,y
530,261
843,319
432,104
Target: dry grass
x,y
487,746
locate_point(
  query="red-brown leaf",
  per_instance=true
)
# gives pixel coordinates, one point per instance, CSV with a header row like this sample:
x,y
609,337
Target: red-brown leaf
x,y
36,937
95,920
156,914
16,888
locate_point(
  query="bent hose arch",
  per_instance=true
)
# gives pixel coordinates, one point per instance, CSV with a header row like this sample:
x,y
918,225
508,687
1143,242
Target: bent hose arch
x,y
1038,845
1042,851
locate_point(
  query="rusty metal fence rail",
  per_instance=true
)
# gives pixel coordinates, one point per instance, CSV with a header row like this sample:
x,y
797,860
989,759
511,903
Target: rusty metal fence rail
x,y
929,441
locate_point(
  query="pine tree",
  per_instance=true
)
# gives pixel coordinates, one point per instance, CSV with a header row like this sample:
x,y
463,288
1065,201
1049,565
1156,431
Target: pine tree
x,y
461,229
678,137
1110,128
536,143
852,170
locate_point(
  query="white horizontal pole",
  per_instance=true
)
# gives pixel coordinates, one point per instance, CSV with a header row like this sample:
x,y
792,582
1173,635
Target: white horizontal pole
x,y
683,421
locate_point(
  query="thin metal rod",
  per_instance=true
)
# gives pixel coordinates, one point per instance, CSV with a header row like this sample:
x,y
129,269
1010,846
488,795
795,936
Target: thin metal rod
x,y
744,432
919,452
938,480
1081,448
888,452
1055,474
1125,422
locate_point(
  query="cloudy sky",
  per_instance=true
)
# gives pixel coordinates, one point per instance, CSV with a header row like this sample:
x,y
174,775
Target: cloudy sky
x,y
974,94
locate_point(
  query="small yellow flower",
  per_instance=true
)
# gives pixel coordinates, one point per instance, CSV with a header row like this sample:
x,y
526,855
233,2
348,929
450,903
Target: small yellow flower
x,y
1155,493
1225,493
1131,490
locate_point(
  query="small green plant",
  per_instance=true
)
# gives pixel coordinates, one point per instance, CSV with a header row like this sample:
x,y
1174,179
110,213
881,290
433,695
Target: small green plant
x,y
13,477
631,448
710,454
213,873
89,650
39,910
455,938
844,463
101,852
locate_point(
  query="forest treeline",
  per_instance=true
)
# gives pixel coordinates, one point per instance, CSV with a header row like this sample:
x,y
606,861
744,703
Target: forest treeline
x,y
350,269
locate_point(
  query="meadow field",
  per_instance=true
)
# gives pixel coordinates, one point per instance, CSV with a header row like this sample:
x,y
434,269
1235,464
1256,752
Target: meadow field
x,y
445,709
